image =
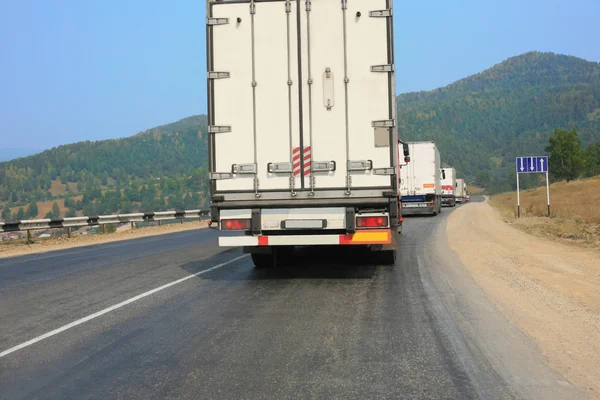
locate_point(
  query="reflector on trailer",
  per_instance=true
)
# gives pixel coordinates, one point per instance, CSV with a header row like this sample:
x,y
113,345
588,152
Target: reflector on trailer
x,y
235,224
372,222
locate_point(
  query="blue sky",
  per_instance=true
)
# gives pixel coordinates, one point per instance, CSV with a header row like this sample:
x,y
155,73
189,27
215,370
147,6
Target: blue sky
x,y
74,70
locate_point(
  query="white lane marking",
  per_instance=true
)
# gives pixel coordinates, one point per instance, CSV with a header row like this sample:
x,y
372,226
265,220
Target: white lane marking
x,y
112,308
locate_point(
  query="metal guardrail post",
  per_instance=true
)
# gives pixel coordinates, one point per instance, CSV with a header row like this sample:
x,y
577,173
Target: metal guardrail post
x,y
68,231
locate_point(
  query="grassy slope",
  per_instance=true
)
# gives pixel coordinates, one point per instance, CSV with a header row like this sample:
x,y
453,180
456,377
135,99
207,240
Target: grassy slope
x,y
575,210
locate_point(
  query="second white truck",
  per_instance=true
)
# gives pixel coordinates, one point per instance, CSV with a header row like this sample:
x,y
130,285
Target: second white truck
x,y
460,190
420,184
448,187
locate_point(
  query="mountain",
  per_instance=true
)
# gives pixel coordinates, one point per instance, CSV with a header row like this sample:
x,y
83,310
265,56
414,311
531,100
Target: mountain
x,y
11,154
137,172
479,123
482,122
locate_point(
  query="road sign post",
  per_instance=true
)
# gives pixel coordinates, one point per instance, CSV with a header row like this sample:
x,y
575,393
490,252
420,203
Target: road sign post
x,y
532,165
518,199
548,192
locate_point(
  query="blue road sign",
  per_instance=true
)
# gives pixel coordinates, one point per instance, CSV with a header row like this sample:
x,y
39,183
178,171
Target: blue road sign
x,y
531,165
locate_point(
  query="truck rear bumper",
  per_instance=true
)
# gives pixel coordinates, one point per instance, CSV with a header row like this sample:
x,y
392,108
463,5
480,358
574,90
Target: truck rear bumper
x,y
364,237
417,209
448,202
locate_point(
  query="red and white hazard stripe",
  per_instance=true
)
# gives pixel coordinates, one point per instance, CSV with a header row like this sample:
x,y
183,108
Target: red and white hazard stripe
x,y
296,161
301,162
307,159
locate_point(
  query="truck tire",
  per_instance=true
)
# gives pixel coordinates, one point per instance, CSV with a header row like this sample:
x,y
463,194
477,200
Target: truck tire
x,y
387,257
263,261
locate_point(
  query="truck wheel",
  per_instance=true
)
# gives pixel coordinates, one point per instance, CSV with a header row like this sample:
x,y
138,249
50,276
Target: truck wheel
x,y
387,257
263,260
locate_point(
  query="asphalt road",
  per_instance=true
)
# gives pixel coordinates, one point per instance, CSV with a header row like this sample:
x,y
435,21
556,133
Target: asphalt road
x,y
331,326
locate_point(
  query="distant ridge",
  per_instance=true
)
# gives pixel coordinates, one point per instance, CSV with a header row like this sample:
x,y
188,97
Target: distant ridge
x,y
479,123
483,121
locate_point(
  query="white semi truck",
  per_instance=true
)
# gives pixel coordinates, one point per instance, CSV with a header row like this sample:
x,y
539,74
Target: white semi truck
x,y
448,187
302,125
420,184
460,190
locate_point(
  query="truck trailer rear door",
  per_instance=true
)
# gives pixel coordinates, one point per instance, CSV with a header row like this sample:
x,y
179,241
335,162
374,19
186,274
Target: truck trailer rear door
x,y
301,95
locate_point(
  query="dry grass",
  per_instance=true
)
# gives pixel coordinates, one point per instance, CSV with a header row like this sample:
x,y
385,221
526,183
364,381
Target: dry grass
x,y
58,189
574,211
577,200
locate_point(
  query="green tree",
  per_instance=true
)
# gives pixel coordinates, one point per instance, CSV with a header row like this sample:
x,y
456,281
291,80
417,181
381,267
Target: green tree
x,y
592,158
566,156
70,213
55,210
32,211
6,213
21,214
483,178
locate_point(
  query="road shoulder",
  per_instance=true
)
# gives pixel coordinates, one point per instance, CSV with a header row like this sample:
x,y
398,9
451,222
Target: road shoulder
x,y
550,291
63,243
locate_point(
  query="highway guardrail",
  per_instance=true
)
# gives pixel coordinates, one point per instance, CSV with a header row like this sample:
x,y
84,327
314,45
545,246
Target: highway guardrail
x,y
68,223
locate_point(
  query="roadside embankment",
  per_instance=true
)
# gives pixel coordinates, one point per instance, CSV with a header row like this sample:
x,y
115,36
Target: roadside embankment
x,y
549,290
60,243
574,210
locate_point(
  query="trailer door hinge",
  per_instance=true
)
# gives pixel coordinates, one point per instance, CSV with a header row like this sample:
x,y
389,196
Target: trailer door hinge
x,y
280,168
219,129
384,171
288,6
360,165
308,5
252,7
386,123
216,21
218,75
244,168
382,68
221,175
380,13
323,166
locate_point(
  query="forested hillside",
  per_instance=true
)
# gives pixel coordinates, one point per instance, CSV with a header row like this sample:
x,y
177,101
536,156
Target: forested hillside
x,y
482,122
160,168
479,123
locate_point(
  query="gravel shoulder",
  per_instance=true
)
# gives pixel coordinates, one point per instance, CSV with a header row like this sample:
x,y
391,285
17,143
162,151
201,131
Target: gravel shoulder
x,y
549,290
62,243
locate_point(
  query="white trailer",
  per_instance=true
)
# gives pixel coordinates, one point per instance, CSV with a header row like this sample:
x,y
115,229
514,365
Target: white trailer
x,y
460,190
420,185
302,125
448,187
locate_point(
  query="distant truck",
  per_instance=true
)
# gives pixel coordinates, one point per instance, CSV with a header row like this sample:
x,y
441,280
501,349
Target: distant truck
x,y
448,186
303,142
420,184
460,191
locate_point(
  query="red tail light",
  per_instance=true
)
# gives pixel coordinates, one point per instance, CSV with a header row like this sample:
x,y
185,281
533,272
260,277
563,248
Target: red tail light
x,y
431,203
235,224
372,222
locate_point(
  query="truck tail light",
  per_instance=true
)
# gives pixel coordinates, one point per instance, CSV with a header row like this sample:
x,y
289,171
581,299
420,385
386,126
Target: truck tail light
x,y
235,224
372,222
431,203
